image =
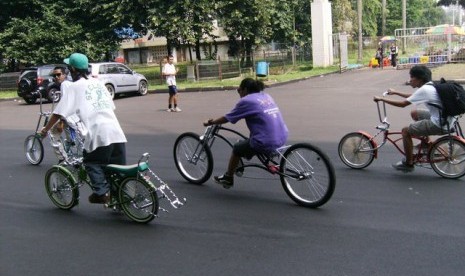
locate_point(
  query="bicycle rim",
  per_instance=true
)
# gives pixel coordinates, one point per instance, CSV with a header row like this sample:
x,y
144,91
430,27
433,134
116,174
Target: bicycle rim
x,y
193,160
356,151
309,177
60,187
138,200
447,158
34,150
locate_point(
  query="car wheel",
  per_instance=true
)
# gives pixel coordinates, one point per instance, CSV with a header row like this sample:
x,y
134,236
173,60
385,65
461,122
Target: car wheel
x,y
143,89
53,95
111,90
24,87
30,100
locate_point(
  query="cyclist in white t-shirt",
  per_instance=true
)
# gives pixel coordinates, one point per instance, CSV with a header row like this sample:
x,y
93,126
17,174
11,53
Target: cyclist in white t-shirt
x,y
427,121
104,141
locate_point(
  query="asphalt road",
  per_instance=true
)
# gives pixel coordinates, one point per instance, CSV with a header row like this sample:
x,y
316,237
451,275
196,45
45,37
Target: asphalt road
x,y
378,222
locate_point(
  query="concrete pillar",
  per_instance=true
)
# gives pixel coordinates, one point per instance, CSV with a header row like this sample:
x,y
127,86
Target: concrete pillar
x,y
322,30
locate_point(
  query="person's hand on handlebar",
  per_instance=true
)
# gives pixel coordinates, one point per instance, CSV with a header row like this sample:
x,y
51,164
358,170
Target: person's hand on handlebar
x,y
217,121
208,122
388,92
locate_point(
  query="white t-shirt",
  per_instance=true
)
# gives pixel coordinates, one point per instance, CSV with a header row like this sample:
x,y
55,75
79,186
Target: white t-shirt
x,y
90,101
170,69
427,95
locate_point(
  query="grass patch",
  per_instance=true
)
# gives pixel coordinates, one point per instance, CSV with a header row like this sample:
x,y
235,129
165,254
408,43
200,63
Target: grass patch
x,y
8,94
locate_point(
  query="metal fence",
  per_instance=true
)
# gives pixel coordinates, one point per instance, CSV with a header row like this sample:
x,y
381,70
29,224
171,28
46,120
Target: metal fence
x,y
429,46
8,81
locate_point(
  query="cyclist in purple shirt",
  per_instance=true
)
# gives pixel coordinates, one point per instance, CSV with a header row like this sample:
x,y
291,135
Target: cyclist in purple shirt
x,y
264,120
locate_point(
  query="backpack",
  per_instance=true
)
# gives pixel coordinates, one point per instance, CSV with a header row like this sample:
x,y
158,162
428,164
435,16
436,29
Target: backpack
x,y
452,97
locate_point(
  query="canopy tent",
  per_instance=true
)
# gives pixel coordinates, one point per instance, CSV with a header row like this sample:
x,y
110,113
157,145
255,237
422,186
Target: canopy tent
x,y
445,29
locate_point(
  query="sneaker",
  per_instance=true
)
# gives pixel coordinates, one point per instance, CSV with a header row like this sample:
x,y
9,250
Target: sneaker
x,y
99,199
225,180
177,109
170,110
402,166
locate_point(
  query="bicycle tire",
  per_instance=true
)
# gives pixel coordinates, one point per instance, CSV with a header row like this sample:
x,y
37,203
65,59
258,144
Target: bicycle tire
x,y
349,150
307,175
447,157
34,149
138,200
184,148
61,187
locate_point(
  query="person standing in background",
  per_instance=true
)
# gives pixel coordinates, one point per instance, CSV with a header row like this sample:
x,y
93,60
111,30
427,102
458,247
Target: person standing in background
x,y
394,52
169,72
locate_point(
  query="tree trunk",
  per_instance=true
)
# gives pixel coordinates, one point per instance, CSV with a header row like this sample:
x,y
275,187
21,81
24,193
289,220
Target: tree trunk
x,y
198,55
190,52
248,52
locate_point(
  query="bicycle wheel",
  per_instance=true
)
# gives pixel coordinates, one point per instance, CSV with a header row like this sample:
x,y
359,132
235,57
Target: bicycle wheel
x,y
308,176
193,160
138,200
447,157
34,149
61,187
356,150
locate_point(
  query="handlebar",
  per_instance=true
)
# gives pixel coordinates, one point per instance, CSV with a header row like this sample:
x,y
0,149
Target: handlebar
x,y
382,117
209,132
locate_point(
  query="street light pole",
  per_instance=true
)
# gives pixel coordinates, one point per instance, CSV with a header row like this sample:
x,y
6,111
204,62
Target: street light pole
x,y
404,24
383,16
360,39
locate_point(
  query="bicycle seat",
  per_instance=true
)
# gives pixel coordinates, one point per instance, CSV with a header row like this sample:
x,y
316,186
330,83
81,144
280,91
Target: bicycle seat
x,y
129,170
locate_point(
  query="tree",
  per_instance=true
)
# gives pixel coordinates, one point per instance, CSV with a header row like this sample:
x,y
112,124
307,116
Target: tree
x,y
420,13
248,20
61,28
451,2
344,16
183,22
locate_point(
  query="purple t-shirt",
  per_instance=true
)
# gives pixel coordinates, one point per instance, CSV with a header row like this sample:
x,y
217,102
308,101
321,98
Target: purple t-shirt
x,y
264,120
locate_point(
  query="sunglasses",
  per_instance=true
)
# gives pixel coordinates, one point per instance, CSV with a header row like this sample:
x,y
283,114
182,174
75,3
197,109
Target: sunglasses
x,y
56,75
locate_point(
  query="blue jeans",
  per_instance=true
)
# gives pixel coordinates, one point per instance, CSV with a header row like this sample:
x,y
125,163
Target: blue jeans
x,y
96,161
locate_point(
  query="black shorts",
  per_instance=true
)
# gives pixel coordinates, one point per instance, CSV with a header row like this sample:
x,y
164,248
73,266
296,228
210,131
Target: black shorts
x,y
243,149
172,89
111,154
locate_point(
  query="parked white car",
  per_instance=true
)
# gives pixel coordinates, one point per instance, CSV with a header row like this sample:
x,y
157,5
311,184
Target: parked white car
x,y
118,78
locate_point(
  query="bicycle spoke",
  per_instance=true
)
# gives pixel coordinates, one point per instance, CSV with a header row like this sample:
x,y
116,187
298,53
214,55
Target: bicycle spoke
x,y
308,176
448,158
193,160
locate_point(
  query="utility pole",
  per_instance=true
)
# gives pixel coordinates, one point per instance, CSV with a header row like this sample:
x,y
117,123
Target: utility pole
x,y
360,38
404,24
383,19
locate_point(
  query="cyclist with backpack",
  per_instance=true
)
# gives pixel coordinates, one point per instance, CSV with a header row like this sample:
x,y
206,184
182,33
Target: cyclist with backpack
x,y
427,121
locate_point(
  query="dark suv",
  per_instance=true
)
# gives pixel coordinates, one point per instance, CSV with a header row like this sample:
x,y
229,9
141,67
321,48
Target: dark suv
x,y
36,81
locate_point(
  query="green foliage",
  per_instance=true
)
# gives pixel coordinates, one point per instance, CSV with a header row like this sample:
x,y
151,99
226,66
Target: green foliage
x,y
451,2
59,29
45,31
420,13
344,16
182,21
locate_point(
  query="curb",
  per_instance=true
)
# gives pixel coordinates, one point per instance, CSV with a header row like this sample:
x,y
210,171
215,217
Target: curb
x,y
267,84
